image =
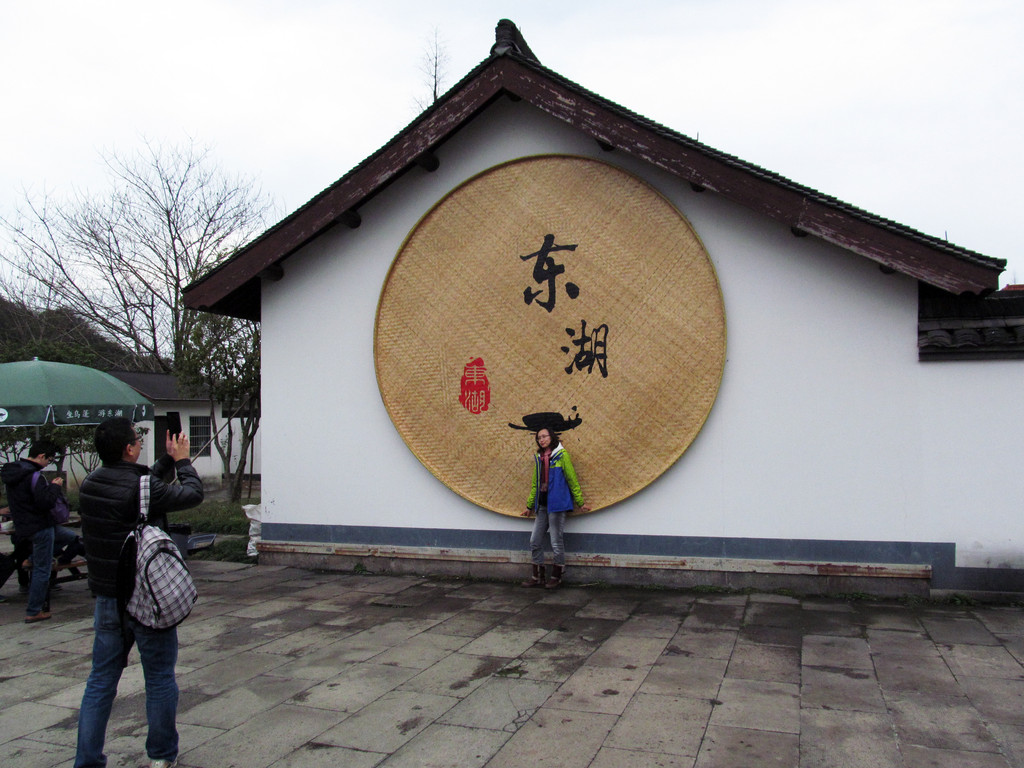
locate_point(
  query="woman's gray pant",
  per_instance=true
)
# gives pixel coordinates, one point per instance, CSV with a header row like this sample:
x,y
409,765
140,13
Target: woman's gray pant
x,y
548,522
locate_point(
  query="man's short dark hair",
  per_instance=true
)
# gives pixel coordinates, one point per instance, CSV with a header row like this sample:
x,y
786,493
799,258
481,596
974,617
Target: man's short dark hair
x,y
47,448
112,437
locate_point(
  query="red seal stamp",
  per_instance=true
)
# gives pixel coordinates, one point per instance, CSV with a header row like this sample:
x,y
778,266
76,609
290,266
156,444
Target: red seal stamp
x,y
475,393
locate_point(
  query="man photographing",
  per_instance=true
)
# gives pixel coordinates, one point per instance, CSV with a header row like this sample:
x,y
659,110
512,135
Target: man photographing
x,y
109,506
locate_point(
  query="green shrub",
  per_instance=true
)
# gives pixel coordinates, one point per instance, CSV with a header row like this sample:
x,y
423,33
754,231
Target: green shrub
x,y
230,550
214,516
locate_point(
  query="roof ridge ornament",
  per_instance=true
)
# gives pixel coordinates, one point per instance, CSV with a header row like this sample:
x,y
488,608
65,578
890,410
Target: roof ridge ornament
x,y
507,37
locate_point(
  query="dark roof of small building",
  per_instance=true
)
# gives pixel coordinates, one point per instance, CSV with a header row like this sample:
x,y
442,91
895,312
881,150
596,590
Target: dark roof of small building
x,y
969,327
513,71
155,386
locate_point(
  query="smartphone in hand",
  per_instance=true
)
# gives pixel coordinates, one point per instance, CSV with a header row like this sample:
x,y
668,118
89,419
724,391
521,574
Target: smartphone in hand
x,y
174,423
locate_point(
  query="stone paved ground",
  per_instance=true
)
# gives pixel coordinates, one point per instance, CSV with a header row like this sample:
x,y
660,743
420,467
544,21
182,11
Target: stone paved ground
x,y
293,669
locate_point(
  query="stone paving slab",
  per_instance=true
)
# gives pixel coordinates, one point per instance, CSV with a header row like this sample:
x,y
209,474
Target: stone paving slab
x,y
683,675
500,704
703,643
941,723
772,663
755,703
981,661
841,688
445,746
908,674
389,722
845,652
728,747
555,738
628,650
666,724
832,738
598,689
289,668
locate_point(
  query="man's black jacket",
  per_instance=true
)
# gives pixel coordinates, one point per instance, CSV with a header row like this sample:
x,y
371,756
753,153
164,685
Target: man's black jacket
x,y
30,502
109,506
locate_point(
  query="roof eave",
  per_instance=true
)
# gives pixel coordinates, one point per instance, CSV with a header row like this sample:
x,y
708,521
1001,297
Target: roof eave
x,y
339,203
804,210
234,287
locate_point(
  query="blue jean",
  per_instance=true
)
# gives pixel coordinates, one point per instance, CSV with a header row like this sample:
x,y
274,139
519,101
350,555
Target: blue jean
x,y
552,523
44,543
159,651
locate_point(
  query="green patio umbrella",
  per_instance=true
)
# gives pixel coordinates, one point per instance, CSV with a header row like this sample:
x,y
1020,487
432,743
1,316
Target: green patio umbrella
x,y
37,392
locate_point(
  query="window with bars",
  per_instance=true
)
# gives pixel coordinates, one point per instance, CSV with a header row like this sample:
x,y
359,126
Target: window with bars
x,y
199,433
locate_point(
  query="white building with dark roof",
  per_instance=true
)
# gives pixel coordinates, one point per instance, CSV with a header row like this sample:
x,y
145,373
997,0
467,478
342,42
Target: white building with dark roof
x,y
197,422
785,392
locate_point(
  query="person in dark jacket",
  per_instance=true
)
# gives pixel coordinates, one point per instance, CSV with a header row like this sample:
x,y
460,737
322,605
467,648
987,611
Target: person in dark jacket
x,y
7,563
109,506
31,501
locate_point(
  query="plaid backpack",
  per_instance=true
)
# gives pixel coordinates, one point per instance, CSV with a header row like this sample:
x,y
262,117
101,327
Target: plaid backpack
x,y
162,593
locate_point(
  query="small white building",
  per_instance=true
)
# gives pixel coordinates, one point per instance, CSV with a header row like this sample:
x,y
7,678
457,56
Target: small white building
x,y
788,391
196,421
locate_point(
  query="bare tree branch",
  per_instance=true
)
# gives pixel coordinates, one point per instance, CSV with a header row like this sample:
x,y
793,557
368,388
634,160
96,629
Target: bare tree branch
x,y
121,260
433,66
117,263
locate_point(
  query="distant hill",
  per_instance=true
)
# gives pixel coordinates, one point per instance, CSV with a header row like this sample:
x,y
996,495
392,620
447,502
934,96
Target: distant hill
x,y
62,336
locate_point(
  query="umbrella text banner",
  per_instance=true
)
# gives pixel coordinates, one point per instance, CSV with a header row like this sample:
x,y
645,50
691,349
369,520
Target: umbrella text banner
x,y
37,392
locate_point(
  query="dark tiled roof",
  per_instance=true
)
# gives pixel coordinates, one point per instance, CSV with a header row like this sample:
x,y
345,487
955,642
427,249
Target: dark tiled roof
x,y
775,178
512,70
965,327
155,386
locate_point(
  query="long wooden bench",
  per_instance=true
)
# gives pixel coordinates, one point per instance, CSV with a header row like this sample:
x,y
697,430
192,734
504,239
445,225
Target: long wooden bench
x,y
74,570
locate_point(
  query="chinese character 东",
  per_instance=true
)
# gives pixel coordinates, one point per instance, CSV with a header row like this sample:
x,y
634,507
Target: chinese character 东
x,y
590,349
546,270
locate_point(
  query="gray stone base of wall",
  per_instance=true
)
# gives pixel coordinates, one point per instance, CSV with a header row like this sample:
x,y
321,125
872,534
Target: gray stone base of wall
x,y
800,578
804,566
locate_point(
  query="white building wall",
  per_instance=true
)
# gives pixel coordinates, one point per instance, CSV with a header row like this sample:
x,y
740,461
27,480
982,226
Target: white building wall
x,y
210,468
826,425
971,480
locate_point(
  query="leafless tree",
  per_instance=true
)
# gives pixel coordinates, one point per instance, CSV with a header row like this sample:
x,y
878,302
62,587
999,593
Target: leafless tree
x,y
222,359
120,260
434,68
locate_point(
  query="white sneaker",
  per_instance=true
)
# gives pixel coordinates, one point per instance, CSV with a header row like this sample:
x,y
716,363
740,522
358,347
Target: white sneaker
x,y
162,764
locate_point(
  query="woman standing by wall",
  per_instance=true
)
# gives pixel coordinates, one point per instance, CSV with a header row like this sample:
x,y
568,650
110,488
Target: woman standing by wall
x,y
552,492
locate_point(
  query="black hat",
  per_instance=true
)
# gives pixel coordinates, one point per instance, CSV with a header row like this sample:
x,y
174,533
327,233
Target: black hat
x,y
548,420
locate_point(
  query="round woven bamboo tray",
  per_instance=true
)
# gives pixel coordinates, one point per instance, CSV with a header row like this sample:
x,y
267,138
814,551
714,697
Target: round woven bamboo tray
x,y
551,290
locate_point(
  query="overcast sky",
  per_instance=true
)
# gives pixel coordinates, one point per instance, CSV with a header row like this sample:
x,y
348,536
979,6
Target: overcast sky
x,y
911,109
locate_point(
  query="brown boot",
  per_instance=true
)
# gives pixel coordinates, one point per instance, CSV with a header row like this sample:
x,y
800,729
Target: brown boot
x,y
556,577
537,580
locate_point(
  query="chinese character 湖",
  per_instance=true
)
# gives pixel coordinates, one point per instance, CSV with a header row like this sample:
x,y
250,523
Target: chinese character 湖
x,y
590,349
